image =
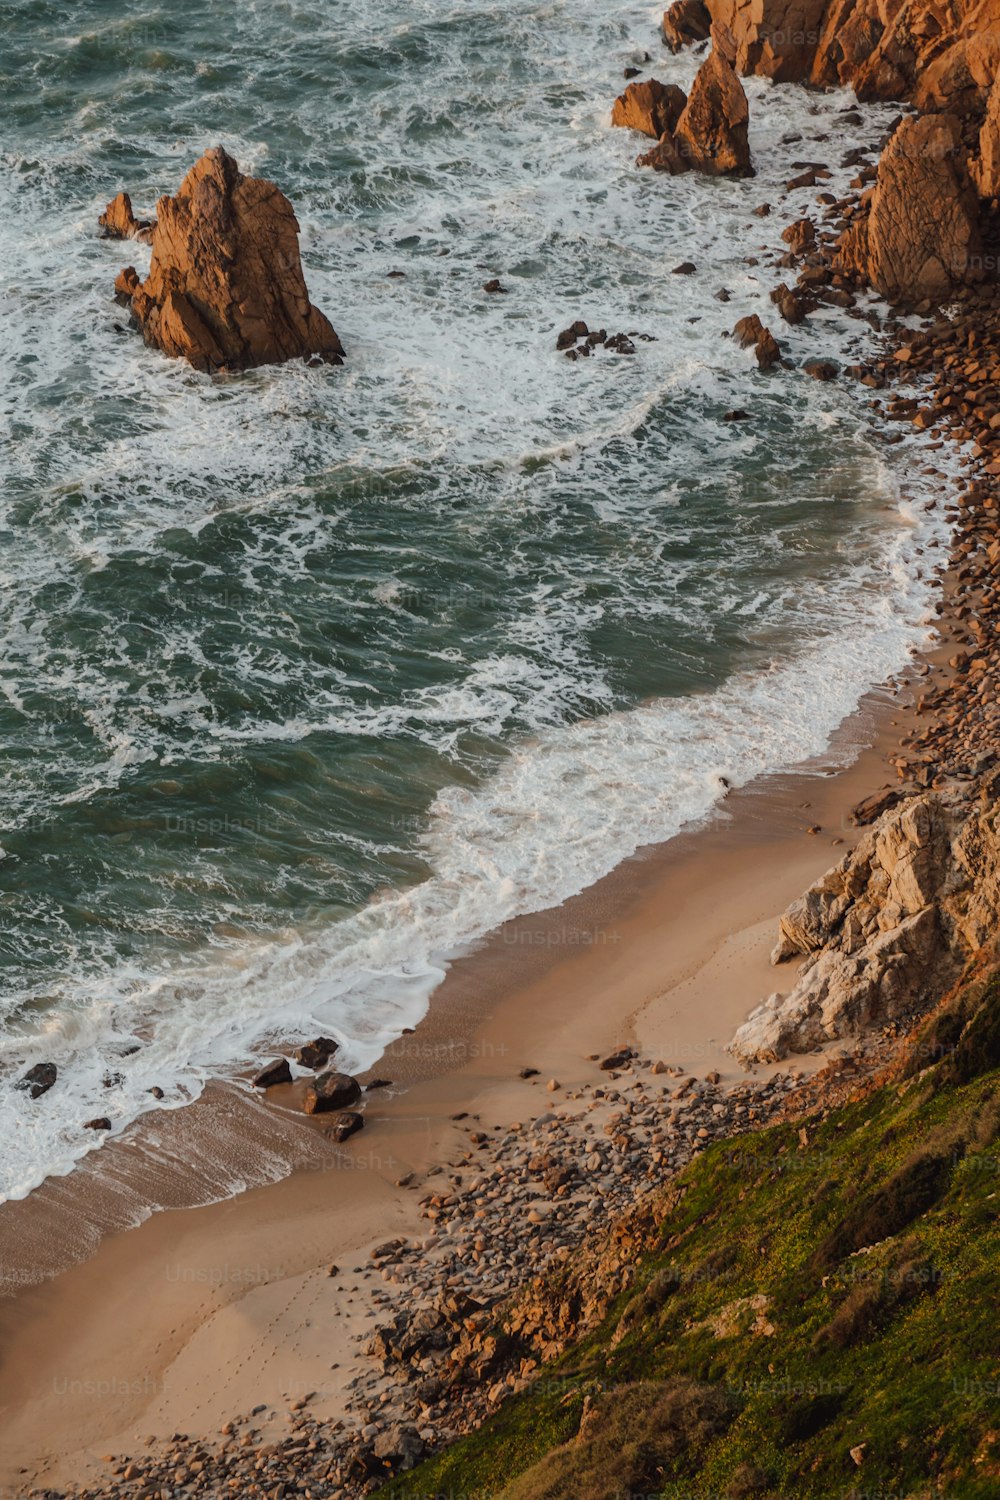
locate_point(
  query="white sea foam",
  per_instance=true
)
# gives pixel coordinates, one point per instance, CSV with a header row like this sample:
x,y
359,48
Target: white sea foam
x,y
438,374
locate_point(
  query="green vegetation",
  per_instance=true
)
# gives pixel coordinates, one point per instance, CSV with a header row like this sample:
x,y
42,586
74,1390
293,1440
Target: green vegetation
x,y
803,1300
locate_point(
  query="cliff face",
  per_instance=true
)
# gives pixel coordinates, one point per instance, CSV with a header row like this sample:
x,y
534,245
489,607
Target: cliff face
x,y
920,237
888,928
937,54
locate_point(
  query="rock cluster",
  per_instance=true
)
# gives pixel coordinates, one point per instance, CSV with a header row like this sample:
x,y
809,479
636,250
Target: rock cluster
x,y
705,132
225,289
917,235
750,333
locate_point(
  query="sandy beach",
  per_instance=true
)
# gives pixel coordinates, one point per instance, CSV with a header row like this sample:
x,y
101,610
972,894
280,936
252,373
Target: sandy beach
x,y
203,1314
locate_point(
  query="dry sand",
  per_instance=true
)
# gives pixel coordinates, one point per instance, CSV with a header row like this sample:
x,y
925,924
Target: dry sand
x,y
200,1314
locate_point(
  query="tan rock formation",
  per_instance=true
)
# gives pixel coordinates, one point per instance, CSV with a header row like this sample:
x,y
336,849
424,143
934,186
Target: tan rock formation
x,y
921,237
942,53
886,928
712,133
986,166
774,38
650,107
225,288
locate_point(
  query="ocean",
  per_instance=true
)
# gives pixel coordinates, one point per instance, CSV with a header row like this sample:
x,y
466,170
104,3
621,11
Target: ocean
x,y
309,678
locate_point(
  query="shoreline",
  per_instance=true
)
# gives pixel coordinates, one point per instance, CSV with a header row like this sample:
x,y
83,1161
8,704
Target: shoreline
x,y
206,1319
131,1340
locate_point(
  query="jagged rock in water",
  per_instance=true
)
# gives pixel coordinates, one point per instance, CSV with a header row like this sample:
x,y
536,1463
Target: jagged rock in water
x,y
225,289
712,133
750,332
118,222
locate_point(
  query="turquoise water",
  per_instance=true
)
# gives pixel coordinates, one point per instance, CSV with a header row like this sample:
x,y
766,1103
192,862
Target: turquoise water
x,y
308,678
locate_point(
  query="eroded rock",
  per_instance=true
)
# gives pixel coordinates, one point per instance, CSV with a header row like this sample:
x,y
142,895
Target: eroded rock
x,y
921,237
686,21
712,133
225,289
118,222
885,929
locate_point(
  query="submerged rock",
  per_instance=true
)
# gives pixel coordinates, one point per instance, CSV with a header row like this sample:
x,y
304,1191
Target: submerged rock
x,y
751,333
225,289
39,1079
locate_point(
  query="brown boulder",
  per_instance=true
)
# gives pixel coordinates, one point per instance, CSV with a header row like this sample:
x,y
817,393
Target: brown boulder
x,y
225,288
650,107
118,222
751,333
800,236
820,369
686,21
793,306
921,238
712,132
331,1091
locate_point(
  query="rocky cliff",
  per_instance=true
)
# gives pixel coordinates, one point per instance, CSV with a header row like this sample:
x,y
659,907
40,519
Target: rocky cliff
x,y
887,929
920,232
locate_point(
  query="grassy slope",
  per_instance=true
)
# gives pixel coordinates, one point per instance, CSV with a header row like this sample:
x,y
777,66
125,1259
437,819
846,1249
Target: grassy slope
x,y
899,1349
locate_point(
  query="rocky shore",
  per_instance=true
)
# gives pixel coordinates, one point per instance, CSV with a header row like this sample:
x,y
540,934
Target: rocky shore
x,y
456,1326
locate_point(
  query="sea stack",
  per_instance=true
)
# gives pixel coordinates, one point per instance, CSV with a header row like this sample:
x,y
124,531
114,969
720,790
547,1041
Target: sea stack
x,y
225,289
